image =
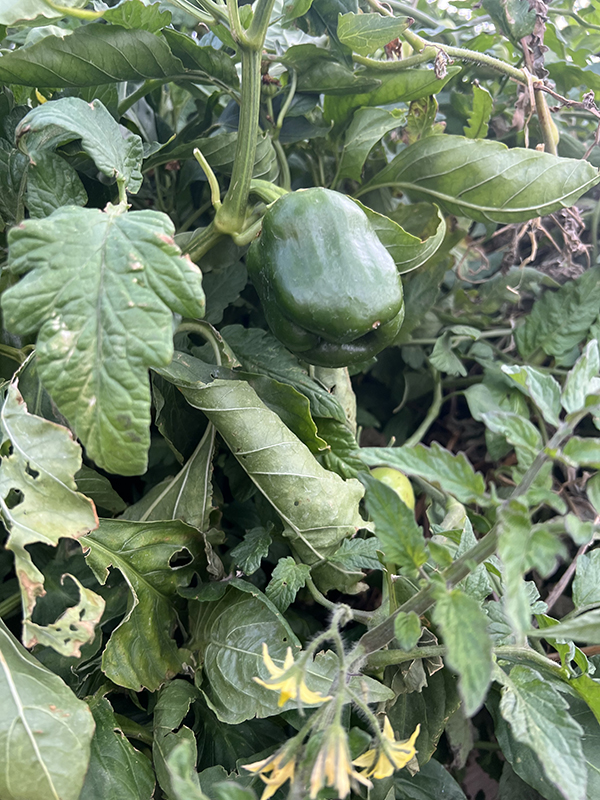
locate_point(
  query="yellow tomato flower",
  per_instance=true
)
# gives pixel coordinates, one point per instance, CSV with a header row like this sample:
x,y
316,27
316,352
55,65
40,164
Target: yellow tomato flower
x,y
390,755
279,773
288,680
332,766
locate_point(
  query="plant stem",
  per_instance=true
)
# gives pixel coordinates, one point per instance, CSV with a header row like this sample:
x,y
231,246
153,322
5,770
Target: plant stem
x,y
382,634
203,241
230,217
432,414
10,605
420,44
319,597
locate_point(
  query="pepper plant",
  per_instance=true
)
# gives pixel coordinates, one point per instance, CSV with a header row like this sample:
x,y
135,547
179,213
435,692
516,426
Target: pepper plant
x,y
251,252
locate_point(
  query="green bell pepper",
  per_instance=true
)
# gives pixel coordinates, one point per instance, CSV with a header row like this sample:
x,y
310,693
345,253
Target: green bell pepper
x,y
330,290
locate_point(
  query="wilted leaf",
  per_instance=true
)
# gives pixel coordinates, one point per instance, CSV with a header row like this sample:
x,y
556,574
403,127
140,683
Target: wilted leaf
x,y
140,652
317,507
45,731
100,288
40,498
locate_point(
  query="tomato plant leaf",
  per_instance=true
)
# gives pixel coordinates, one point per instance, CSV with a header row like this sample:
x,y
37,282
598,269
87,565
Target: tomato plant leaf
x,y
402,540
51,183
61,121
317,507
40,498
538,718
453,473
542,388
252,549
464,630
100,287
586,585
583,380
140,652
181,766
485,180
45,731
559,320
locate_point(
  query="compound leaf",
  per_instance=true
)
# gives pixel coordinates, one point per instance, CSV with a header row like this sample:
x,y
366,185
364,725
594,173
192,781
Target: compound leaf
x,y
100,287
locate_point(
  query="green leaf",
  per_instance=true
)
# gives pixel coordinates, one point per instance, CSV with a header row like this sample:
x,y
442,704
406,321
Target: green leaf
x,y
525,761
222,287
401,538
513,18
453,473
62,121
469,648
559,320
286,581
589,689
592,488
99,489
521,433
14,167
13,11
217,65
41,502
541,387
444,359
401,87
137,15
538,717
318,509
407,630
173,704
90,56
74,628
514,550
181,766
229,633
583,628
432,782
140,652
251,551
124,273
586,585
477,584
320,72
409,252
366,33
51,183
582,452
431,707
45,731
260,352
583,380
368,126
187,496
483,104
484,180
117,770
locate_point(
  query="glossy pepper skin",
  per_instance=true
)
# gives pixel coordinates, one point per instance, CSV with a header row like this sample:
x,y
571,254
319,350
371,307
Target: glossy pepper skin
x,y
329,289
